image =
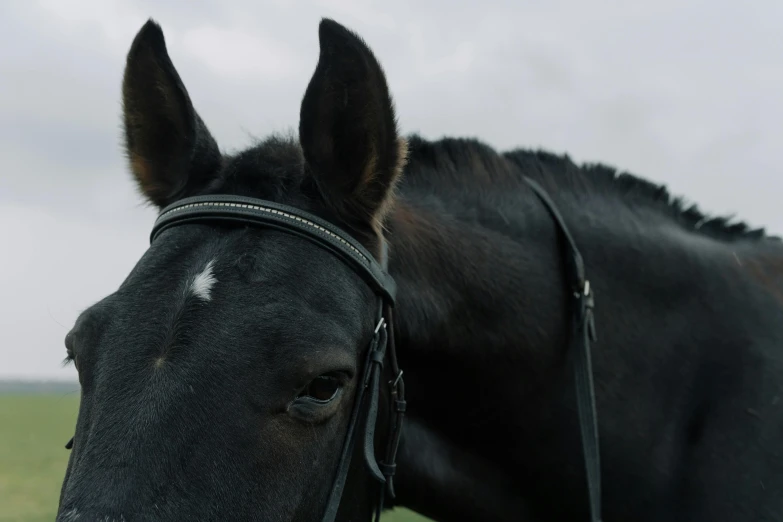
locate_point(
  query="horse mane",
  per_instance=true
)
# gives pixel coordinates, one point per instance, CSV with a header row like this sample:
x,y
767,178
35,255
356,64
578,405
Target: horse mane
x,y
471,158
464,162
637,190
685,212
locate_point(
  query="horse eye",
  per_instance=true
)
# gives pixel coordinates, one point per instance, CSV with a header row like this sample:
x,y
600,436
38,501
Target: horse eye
x,y
321,389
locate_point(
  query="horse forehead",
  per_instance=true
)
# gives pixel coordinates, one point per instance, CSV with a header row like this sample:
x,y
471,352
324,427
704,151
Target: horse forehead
x,y
307,294
279,278
283,265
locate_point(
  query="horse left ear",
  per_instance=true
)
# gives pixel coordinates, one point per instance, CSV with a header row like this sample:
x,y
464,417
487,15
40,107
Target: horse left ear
x,y
348,129
170,150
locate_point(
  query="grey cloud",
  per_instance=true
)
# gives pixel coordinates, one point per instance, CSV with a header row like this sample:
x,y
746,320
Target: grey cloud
x,y
685,94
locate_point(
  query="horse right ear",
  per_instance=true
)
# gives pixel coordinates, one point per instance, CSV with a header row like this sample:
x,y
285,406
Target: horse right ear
x,y
170,151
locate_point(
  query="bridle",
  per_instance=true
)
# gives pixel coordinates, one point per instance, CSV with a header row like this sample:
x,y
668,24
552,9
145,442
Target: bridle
x,y
251,211
237,210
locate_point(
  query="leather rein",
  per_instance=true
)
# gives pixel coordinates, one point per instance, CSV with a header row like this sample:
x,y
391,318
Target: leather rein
x,y
582,334
239,210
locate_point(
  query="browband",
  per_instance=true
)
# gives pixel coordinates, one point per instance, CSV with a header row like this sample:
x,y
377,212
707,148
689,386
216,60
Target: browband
x,y
232,209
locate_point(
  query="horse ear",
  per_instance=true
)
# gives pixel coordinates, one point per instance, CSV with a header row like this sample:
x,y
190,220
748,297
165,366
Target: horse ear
x,y
170,151
348,129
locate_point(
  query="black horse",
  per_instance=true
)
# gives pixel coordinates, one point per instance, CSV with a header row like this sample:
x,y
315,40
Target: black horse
x,y
218,380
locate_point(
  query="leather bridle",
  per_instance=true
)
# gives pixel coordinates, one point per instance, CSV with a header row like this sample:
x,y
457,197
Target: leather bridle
x,y
257,212
250,211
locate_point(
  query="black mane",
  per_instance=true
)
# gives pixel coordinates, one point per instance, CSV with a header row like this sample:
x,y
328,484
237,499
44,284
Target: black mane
x,y
688,214
587,177
473,161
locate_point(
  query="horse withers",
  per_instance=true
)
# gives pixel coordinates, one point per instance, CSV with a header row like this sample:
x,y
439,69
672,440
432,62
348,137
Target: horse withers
x,y
219,382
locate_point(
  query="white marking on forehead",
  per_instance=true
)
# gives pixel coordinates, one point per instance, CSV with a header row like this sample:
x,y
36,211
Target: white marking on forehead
x,y
202,284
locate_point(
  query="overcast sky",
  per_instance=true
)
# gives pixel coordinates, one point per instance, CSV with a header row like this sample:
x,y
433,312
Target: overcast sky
x,y
689,95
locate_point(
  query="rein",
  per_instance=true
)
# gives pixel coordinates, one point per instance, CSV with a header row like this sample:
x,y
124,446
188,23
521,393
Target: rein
x,y
252,211
583,333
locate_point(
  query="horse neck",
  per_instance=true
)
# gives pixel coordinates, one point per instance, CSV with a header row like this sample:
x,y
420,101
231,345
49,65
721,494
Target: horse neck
x,y
484,322
480,312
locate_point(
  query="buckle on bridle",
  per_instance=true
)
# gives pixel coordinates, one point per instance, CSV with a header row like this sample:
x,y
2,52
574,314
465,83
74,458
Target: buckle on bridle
x,y
377,351
396,381
381,324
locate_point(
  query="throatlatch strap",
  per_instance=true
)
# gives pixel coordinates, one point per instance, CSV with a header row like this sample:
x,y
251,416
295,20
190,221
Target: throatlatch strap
x,y
397,408
376,360
344,464
583,332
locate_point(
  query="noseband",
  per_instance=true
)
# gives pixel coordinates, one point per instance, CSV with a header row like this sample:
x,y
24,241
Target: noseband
x,y
237,210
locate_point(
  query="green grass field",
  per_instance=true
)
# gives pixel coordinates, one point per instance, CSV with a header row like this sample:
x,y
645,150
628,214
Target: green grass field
x,y
33,433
